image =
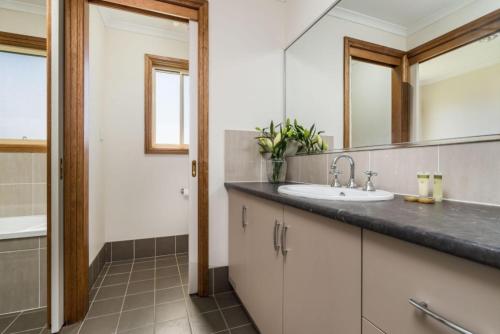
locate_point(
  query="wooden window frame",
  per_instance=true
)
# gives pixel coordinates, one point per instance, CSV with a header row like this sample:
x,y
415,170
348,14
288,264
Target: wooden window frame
x,y
380,55
76,142
153,62
28,45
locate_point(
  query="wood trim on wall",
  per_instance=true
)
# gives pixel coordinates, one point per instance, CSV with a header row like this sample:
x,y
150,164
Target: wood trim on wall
x,y
76,140
385,56
466,34
151,62
23,41
23,146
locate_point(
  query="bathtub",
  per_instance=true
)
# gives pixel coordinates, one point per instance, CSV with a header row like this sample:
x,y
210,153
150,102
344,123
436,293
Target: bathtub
x,y
23,227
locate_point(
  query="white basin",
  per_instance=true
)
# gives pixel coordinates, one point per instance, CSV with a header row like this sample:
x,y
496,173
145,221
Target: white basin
x,y
317,191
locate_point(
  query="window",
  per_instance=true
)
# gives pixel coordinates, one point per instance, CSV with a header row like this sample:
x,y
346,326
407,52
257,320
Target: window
x,y
167,105
23,93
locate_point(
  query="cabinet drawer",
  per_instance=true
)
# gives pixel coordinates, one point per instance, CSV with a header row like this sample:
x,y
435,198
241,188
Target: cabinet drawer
x,y
463,292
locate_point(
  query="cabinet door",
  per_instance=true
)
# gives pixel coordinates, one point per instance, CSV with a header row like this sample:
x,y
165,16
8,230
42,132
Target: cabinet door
x,y
368,328
322,281
237,207
264,275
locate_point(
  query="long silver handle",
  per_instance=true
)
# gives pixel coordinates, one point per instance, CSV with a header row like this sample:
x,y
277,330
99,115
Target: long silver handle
x,y
244,221
284,249
425,309
276,230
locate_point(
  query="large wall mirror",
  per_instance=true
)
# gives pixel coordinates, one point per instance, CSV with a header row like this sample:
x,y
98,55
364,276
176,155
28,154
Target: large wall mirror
x,y
386,72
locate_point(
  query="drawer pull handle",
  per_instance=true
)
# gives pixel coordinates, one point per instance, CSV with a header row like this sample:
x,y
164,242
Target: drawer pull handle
x,y
244,222
425,309
284,249
277,227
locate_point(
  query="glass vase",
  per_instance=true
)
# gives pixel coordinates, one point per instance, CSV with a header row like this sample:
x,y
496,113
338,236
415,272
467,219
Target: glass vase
x,y
276,170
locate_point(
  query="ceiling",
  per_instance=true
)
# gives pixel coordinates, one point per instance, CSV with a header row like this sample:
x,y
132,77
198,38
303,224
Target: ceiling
x,y
143,24
407,15
472,57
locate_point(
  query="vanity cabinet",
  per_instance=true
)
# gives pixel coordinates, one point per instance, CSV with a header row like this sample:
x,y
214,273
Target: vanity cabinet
x,y
295,272
368,328
463,292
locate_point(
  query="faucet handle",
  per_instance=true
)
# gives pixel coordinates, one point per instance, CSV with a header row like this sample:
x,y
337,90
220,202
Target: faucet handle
x,y
369,186
335,172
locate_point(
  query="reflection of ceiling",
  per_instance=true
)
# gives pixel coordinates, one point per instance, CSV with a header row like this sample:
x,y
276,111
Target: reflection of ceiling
x,y
474,56
28,6
142,24
403,17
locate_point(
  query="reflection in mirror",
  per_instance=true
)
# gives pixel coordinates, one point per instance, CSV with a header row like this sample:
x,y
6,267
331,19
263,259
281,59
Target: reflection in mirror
x,y
382,72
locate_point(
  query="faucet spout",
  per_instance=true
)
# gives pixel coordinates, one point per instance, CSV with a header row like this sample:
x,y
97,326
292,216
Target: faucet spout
x,y
351,183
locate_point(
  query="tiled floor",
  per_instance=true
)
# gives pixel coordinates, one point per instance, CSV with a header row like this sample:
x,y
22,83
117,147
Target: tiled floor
x,y
150,296
26,322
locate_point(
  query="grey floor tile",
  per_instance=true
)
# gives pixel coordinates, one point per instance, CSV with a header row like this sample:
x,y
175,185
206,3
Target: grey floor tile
x,y
236,316
71,329
183,268
182,259
139,301
105,307
115,279
206,323
28,320
166,261
171,311
144,259
143,265
179,326
101,325
136,319
169,295
140,287
119,269
167,272
98,281
198,305
31,331
92,294
111,291
248,329
6,320
143,330
168,282
142,275
227,299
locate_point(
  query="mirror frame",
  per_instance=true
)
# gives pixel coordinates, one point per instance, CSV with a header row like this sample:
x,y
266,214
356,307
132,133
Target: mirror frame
x,y
454,39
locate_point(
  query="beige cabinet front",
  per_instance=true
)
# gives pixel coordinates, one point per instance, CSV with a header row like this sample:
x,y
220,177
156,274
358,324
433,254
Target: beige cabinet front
x,y
238,218
322,281
464,293
368,328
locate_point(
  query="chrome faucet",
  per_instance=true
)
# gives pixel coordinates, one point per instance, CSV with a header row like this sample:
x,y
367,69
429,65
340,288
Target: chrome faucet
x,y
335,172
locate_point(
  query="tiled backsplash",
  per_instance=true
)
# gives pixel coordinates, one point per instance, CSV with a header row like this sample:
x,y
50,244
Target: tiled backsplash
x,y
23,184
471,172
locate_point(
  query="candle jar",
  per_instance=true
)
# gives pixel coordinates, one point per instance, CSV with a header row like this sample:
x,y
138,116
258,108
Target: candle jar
x,y
438,187
423,184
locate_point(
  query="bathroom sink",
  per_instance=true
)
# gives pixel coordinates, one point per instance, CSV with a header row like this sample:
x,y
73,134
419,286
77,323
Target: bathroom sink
x,y
316,191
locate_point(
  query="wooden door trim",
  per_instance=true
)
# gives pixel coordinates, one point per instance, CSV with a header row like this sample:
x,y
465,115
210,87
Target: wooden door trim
x,y
463,35
76,140
381,55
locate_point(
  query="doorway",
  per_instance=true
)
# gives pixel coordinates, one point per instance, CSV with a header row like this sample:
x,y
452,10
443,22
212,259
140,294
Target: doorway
x,y
78,136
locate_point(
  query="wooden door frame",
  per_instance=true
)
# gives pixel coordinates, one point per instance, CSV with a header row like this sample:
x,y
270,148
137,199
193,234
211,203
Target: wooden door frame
x,y
76,248
385,56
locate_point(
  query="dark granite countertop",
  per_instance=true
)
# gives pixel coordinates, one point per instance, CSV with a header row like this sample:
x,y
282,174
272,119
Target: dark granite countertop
x,y
466,230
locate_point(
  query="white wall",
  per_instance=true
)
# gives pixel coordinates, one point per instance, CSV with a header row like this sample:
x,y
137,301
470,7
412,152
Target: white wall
x,y
22,23
465,105
246,81
371,104
315,69
140,194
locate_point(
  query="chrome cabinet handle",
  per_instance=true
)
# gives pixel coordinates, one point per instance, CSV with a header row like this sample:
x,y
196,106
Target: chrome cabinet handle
x,y
276,230
425,309
284,250
244,222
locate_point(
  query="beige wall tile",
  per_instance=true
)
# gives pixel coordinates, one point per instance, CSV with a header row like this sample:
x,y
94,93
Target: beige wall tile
x,y
18,244
20,281
39,199
313,169
43,277
397,168
471,172
242,157
293,172
39,167
361,164
15,200
15,168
